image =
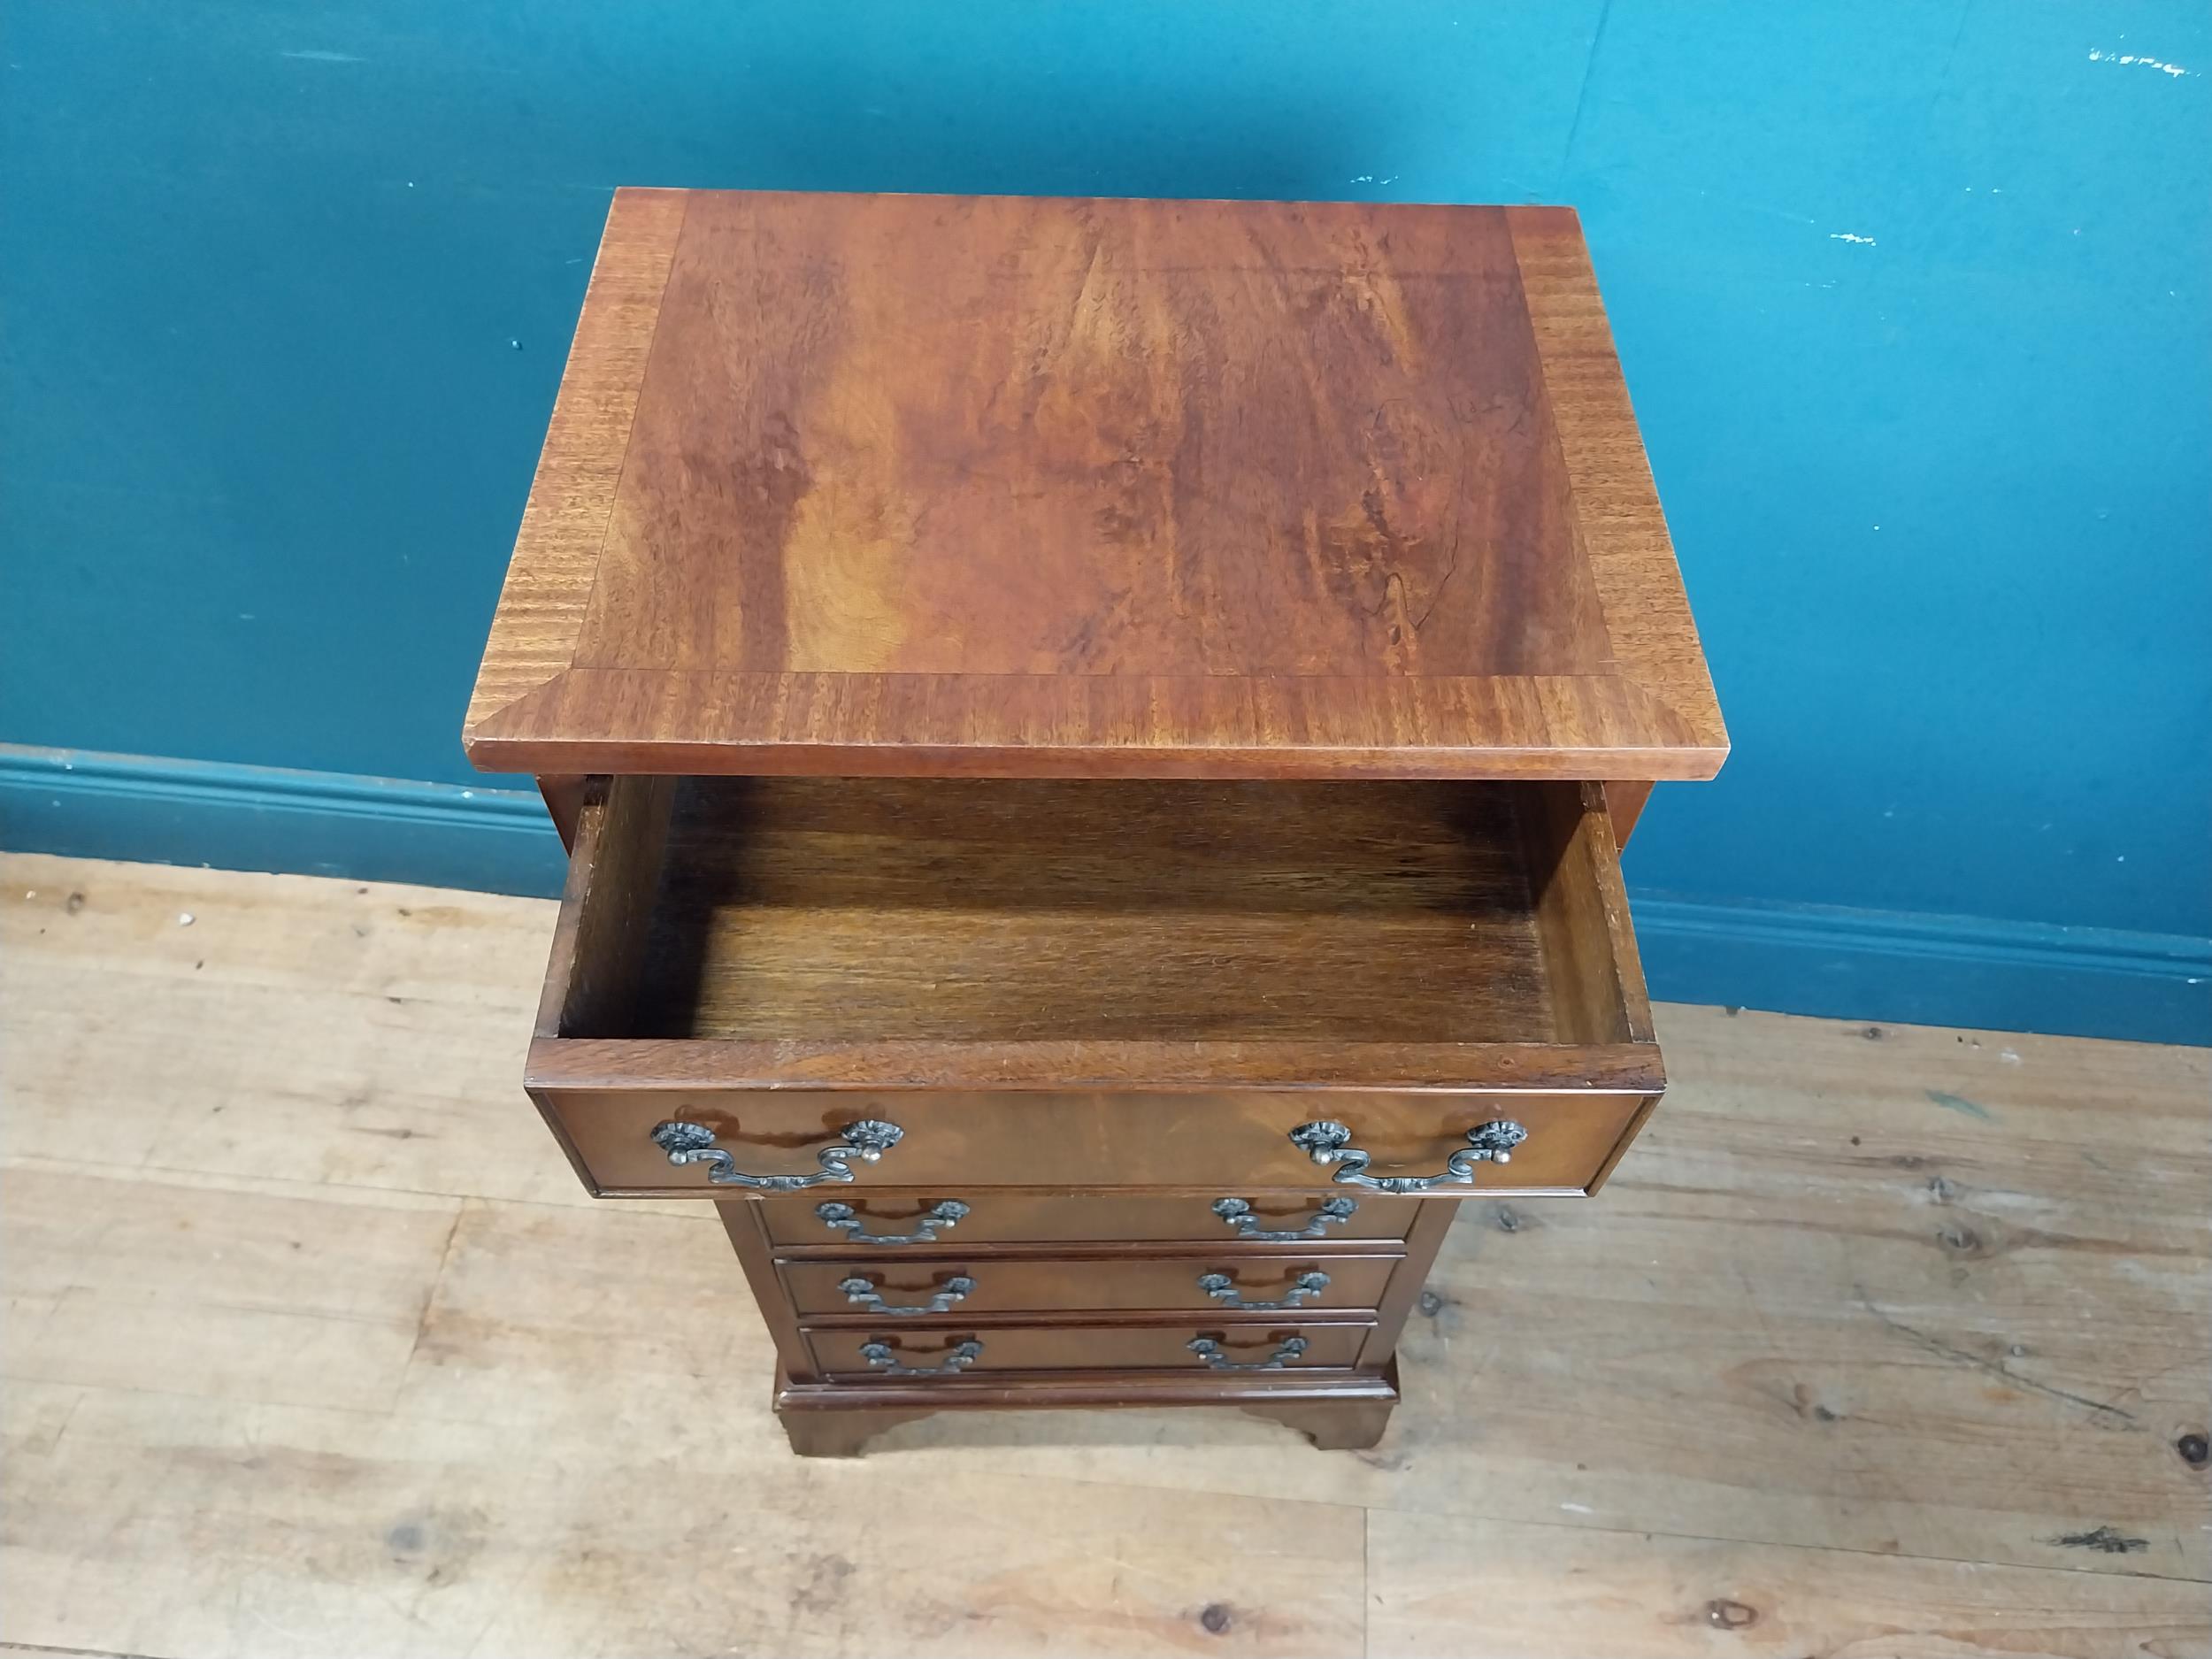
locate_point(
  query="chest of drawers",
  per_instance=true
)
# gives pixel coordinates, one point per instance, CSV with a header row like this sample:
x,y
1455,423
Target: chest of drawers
x,y
1093,738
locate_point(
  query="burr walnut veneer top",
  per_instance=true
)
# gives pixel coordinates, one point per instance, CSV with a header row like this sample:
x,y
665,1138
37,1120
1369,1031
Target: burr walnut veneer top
x,y
1002,485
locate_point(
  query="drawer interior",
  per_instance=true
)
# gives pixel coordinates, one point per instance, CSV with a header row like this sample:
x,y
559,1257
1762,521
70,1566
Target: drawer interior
x,y
1002,911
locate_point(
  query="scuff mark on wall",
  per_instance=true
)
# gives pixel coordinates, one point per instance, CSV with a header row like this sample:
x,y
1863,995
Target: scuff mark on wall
x,y
2097,56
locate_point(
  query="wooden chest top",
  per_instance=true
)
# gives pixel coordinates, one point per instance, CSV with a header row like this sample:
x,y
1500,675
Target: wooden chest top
x,y
1003,486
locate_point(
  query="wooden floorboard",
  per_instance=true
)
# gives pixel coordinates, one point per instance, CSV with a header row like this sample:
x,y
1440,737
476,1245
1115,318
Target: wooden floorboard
x,y
1436,1584
1882,1341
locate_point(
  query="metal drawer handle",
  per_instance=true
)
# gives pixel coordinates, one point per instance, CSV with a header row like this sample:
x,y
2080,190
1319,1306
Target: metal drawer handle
x,y
1223,1289
694,1143
1330,1143
885,1358
1209,1351
862,1292
1239,1215
841,1219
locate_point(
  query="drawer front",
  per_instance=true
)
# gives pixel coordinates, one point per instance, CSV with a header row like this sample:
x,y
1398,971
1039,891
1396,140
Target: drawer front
x,y
952,1288
910,1221
962,1143
1232,1349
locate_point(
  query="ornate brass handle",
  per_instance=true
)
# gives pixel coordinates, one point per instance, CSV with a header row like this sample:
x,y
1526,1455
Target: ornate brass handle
x,y
1223,1289
841,1219
885,1358
862,1292
1330,1143
1239,1215
694,1143
1209,1351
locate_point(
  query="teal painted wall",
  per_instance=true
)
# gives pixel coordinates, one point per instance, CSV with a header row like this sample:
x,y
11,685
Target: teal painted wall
x,y
1911,298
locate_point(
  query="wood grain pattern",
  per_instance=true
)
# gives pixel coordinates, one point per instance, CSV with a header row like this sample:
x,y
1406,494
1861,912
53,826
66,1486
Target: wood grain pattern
x,y
565,521
993,485
1531,1068
802,925
599,964
1622,532
1017,910
1286,441
1542,1590
1581,913
1891,1375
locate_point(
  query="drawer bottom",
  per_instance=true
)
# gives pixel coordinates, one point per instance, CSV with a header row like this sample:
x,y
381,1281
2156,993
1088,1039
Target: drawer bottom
x,y
1196,1348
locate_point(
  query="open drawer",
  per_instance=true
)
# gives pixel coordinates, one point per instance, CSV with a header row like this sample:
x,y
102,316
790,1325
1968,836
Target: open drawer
x,y
771,984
